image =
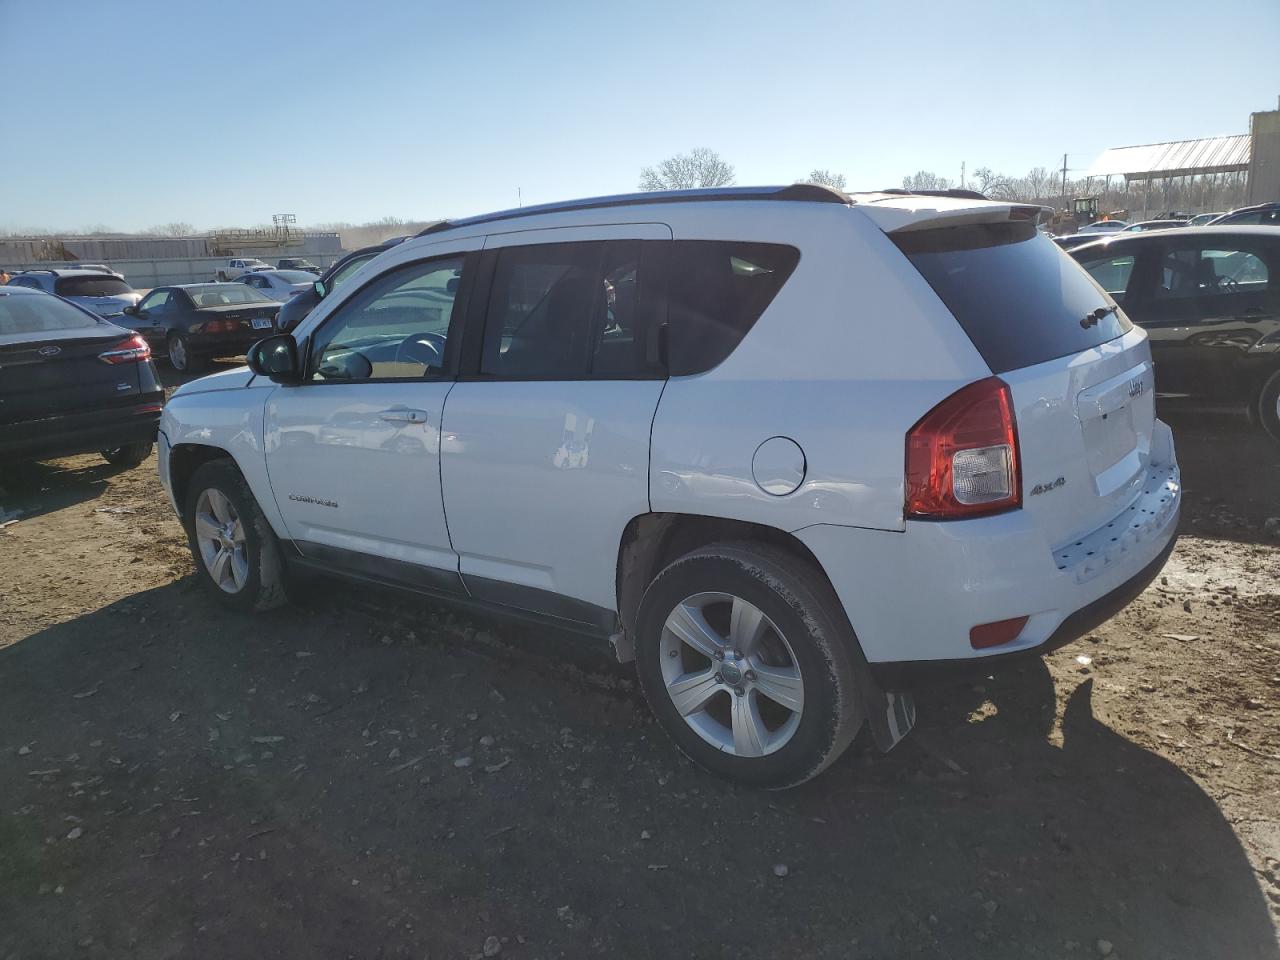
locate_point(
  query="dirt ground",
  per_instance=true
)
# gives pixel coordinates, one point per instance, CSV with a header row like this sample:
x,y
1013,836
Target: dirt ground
x,y
364,774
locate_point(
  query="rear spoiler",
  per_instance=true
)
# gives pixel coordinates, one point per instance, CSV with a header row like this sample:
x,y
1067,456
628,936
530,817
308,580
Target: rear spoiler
x,y
902,214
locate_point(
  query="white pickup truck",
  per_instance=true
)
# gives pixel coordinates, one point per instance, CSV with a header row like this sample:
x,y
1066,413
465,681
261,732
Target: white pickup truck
x,y
235,266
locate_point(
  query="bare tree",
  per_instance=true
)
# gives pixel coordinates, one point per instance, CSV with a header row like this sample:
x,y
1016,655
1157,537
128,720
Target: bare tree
x,y
826,178
924,180
178,228
699,167
994,185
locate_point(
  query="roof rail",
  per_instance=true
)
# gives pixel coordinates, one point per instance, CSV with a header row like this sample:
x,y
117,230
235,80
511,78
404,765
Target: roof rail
x,y
810,192
957,194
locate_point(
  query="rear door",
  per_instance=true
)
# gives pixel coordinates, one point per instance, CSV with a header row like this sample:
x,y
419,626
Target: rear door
x,y
51,360
545,455
1080,373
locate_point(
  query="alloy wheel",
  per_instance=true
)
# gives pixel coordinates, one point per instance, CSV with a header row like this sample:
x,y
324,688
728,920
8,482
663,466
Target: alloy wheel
x,y
731,674
220,537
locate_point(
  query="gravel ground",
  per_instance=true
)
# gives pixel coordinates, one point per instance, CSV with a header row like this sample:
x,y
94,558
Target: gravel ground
x,y
364,774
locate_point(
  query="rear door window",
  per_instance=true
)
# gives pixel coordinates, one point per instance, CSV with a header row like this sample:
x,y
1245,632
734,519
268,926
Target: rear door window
x,y
1194,273
1018,296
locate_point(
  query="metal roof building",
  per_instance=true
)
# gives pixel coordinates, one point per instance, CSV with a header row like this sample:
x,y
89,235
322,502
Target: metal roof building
x,y
1181,158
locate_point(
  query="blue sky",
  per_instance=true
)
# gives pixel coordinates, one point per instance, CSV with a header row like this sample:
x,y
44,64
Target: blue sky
x,y
131,113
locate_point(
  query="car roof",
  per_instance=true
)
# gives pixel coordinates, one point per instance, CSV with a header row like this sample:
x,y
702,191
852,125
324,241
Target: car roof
x,y
1227,229
1269,205
65,272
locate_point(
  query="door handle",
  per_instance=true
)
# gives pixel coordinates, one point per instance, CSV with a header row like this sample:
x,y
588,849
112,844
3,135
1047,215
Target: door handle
x,y
403,415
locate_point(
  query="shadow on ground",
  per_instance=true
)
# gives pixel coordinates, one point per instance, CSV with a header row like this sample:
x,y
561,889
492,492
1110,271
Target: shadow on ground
x,y
319,783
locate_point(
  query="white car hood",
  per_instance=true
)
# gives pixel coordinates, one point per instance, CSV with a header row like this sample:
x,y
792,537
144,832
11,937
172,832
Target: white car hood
x,y
224,380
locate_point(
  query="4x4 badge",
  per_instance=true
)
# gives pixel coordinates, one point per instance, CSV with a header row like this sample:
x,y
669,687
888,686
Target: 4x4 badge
x,y
1046,487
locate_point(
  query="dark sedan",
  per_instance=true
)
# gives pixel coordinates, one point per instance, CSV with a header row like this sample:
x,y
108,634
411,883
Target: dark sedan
x,y
1209,299
196,322
70,382
296,309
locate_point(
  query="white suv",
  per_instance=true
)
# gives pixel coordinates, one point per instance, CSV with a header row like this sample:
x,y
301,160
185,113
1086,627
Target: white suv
x,y
794,451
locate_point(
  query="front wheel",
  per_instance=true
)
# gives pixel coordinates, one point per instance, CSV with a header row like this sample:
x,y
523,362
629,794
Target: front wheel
x,y
1269,406
180,355
130,455
235,549
743,657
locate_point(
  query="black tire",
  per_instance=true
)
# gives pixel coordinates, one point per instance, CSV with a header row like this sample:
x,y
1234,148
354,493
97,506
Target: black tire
x,y
128,456
804,609
185,361
1269,406
264,586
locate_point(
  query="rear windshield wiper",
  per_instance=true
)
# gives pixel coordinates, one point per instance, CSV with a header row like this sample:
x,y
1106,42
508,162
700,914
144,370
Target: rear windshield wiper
x,y
1091,319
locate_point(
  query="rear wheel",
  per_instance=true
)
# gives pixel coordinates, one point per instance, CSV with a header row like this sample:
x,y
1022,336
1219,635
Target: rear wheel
x,y
130,455
1269,406
180,355
235,549
742,656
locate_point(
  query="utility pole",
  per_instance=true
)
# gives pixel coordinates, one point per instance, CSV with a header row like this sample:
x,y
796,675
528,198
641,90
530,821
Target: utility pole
x,y
1064,181
961,174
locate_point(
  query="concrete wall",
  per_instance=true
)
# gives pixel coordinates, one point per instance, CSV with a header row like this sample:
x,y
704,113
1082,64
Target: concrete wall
x,y
45,251
1264,162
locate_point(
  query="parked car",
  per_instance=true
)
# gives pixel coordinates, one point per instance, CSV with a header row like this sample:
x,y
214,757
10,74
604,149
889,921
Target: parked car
x,y
195,322
238,265
1145,226
106,294
1104,226
1071,240
1200,219
298,263
1209,299
296,309
1261,214
278,284
72,383
788,514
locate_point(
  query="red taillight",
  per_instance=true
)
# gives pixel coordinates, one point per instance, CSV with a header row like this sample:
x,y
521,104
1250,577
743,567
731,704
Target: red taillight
x,y
994,634
962,457
220,326
133,350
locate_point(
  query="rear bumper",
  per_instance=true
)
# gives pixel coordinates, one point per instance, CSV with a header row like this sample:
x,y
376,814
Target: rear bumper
x,y
224,345
913,596
81,432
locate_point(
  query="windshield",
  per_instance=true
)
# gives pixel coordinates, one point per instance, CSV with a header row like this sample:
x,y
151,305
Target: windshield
x,y
1017,295
94,286
221,294
348,269
40,313
294,276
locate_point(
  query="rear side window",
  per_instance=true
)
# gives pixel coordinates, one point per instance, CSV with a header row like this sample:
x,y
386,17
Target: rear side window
x,y
97,286
716,291
40,314
1019,297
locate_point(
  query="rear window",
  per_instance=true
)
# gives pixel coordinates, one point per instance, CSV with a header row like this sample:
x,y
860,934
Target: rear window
x,y
40,314
99,286
1018,296
716,291
224,294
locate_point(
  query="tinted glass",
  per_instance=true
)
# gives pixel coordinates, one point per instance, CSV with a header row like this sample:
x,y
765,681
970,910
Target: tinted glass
x,y
156,300
1016,294
716,291
95,286
224,294
348,269
1111,273
293,276
395,328
1193,273
25,313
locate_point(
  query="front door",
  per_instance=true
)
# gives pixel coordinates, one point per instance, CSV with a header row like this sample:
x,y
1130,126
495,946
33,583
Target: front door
x,y
546,449
353,452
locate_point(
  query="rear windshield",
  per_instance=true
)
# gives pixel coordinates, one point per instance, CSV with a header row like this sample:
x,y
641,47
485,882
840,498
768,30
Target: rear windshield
x,y
294,276
100,286
40,314
1018,296
223,294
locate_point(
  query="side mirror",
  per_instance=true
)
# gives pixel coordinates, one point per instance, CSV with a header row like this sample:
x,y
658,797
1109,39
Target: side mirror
x,y
131,309
320,289
277,359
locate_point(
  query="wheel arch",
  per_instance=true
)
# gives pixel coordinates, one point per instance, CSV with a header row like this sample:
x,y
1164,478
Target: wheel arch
x,y
184,460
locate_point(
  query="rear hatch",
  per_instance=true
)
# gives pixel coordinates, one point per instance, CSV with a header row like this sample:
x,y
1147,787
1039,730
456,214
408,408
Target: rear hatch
x,y
1080,373
47,371
104,294
240,319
